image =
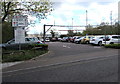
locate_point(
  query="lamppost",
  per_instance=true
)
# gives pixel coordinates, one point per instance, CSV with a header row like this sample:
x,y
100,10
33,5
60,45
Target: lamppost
x,y
72,23
86,19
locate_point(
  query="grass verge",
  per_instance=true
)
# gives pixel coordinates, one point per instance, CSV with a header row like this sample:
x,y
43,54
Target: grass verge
x,y
16,55
117,46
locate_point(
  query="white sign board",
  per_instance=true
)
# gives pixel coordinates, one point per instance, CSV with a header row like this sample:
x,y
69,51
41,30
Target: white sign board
x,y
20,21
19,35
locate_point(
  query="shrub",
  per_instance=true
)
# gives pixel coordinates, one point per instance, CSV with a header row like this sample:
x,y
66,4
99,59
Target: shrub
x,y
43,46
25,46
117,46
16,55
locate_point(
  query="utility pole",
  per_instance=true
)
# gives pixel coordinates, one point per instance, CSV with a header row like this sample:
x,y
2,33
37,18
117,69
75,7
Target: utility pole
x,y
86,19
44,33
111,17
54,22
72,23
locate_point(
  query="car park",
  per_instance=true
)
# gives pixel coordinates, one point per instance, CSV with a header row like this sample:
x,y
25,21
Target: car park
x,y
97,40
111,39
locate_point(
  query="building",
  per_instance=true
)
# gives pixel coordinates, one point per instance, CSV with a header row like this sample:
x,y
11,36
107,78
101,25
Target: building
x,y
119,12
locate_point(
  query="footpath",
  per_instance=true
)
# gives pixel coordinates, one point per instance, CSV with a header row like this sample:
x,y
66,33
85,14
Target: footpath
x,y
4,65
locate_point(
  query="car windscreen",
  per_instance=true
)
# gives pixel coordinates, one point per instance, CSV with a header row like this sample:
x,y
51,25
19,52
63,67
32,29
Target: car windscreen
x,y
29,39
78,37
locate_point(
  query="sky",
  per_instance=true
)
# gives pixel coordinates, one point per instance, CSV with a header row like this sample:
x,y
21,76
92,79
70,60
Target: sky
x,y
73,12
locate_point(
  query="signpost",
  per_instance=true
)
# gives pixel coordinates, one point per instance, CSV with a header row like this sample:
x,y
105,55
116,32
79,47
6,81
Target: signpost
x,y
20,22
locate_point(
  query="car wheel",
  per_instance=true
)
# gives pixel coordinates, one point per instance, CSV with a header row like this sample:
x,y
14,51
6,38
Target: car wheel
x,y
111,43
100,43
87,42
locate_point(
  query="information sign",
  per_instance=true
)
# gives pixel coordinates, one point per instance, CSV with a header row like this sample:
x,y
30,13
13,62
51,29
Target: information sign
x,y
20,21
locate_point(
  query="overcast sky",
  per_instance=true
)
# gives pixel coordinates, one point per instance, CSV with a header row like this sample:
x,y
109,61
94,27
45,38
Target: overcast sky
x,y
73,12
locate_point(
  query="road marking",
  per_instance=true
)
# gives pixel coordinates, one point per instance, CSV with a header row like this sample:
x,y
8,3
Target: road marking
x,y
75,61
96,47
64,46
69,47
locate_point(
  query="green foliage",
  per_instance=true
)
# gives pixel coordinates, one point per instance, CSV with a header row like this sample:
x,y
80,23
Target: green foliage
x,y
102,30
61,36
40,8
52,33
7,32
112,46
77,34
12,56
70,33
43,46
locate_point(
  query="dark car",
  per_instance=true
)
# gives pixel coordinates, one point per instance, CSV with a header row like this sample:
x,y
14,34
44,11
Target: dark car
x,y
29,43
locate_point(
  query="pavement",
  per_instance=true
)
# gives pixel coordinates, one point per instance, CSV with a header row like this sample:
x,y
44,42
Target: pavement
x,y
8,64
4,65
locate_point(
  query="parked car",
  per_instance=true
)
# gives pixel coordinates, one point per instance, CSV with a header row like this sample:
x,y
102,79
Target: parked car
x,y
111,39
28,42
72,39
59,39
47,39
78,39
54,39
97,40
65,39
86,39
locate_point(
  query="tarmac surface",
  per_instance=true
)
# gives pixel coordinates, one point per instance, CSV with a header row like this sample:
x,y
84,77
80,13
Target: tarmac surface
x,y
67,62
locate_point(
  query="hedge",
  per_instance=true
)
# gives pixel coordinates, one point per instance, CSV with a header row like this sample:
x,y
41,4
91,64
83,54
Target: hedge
x,y
21,55
117,46
43,46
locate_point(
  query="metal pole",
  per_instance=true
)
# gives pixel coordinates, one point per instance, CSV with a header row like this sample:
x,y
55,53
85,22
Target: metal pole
x,y
54,22
72,23
86,19
106,32
44,33
105,36
111,17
